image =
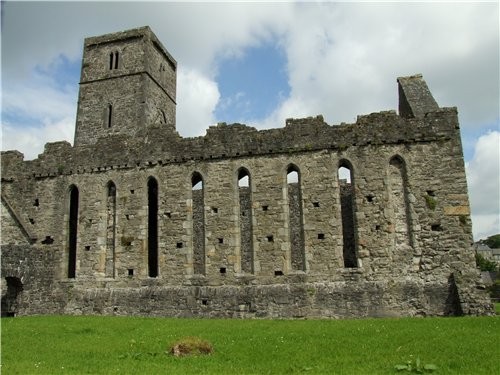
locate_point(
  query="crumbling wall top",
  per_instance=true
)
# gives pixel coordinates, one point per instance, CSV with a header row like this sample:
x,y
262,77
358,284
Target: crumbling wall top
x,y
415,98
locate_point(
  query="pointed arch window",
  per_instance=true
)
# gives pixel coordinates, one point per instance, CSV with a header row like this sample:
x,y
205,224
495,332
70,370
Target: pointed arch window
x,y
246,228
152,227
296,225
72,230
198,209
347,208
398,197
110,230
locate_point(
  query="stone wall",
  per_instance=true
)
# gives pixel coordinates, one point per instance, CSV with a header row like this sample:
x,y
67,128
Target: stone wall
x,y
400,244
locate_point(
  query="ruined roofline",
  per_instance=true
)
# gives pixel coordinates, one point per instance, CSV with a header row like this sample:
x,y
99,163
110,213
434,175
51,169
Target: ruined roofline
x,y
413,124
415,98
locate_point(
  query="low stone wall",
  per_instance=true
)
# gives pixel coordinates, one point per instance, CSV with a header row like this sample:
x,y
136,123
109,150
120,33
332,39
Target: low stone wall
x,y
302,300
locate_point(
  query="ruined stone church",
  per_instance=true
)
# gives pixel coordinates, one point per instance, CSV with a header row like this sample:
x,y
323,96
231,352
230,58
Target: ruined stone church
x,y
134,219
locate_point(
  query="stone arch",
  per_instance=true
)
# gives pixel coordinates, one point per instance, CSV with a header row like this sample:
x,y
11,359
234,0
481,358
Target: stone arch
x,y
399,201
110,257
246,220
347,209
10,298
152,227
295,217
72,230
198,220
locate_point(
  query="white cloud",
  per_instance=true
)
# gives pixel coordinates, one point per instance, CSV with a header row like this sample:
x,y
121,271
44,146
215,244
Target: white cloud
x,y
342,61
36,111
31,140
194,90
483,173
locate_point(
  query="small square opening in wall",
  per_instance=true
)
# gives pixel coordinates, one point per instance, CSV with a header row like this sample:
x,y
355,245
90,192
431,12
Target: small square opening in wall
x,y
436,228
87,247
168,214
321,236
130,272
369,198
132,191
215,210
278,273
48,240
431,193
222,270
221,240
265,208
315,204
32,221
204,302
36,203
179,245
270,238
377,227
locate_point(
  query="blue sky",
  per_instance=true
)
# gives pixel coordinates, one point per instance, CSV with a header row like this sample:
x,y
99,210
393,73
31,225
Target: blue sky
x,y
260,63
252,85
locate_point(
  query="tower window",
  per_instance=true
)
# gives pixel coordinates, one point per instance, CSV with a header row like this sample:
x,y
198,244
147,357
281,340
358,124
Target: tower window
x,y
113,60
110,115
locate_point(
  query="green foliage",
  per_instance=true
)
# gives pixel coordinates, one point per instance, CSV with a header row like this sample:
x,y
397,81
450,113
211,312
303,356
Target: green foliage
x,y
493,242
485,264
431,202
133,345
494,289
126,240
462,219
416,366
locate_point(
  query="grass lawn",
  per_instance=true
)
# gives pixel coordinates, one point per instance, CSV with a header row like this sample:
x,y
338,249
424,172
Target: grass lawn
x,y
131,345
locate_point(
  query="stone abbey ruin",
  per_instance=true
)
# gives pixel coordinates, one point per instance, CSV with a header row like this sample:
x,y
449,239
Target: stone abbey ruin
x,y
134,219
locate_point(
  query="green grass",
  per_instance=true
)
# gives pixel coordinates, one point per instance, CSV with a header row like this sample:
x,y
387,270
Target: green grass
x,y
127,345
497,308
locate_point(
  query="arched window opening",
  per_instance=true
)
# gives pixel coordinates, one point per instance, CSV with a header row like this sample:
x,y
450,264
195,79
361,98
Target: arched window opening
x,y
110,230
111,58
72,230
116,59
398,196
198,224
296,225
197,181
347,206
246,228
10,298
345,174
109,116
152,227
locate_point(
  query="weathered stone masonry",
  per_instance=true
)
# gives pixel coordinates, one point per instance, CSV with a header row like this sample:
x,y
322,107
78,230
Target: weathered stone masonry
x,y
135,219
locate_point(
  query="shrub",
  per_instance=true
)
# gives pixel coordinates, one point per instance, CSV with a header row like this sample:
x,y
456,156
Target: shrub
x,y
431,202
485,264
191,346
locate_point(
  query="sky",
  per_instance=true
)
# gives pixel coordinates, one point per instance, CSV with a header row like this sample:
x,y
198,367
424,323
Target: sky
x,y
259,63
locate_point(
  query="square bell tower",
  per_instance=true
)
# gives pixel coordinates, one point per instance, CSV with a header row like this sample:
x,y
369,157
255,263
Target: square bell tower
x,y
128,82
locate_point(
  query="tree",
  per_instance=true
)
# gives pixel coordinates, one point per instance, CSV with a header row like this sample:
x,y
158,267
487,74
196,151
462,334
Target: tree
x,y
493,242
485,264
